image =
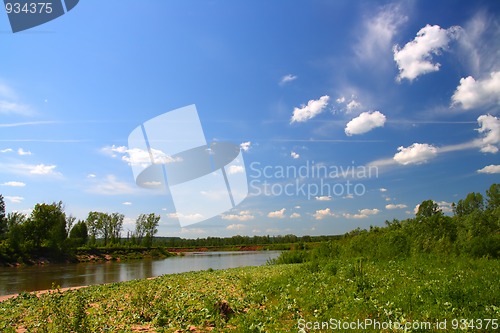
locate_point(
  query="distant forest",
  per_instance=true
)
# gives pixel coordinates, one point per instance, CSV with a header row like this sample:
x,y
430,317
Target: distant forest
x,y
473,229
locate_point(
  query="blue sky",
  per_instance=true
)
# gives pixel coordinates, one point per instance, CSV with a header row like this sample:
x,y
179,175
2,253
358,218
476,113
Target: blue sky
x,y
407,90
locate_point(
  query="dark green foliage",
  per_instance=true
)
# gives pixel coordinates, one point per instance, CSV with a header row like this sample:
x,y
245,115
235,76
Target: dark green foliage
x,y
79,234
3,221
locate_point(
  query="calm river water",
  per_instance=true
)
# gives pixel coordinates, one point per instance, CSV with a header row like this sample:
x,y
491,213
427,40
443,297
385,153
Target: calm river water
x,y
15,280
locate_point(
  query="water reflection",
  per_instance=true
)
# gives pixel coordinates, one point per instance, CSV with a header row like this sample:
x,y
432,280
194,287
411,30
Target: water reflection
x,y
15,280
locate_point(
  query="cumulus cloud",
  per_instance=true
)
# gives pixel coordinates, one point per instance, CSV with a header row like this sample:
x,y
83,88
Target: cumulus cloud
x,y
188,217
395,206
415,58
295,216
471,94
234,169
323,213
362,213
287,78
490,169
364,123
279,214
309,111
294,155
136,156
489,128
14,184
244,215
235,227
324,198
23,152
245,146
417,153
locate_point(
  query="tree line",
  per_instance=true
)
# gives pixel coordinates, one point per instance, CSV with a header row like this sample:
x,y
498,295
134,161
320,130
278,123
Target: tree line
x,y
473,230
49,231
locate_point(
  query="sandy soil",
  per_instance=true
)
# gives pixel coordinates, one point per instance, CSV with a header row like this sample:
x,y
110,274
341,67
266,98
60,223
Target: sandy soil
x,y
39,292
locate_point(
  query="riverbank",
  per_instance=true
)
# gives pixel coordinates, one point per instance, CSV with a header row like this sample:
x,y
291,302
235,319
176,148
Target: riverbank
x,y
272,298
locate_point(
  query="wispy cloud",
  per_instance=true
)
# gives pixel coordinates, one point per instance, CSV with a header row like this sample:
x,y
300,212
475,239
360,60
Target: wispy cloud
x,y
288,78
14,184
14,199
110,185
378,32
10,104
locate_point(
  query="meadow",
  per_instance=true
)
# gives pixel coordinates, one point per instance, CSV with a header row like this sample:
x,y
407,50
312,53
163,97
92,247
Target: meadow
x,y
275,298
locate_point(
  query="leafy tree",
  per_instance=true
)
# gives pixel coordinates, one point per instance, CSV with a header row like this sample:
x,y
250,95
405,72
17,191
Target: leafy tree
x,y
493,197
473,201
15,230
146,226
79,233
105,226
46,227
115,226
3,221
428,208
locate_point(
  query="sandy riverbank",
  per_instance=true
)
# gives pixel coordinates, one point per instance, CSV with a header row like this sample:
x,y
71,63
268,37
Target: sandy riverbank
x,y
40,292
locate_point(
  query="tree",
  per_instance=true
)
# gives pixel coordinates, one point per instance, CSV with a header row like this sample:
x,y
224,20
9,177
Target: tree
x,y
46,227
493,197
428,208
473,201
79,233
104,225
3,220
15,230
115,226
146,226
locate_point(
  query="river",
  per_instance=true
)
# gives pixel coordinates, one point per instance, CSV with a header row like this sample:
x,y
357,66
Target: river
x,y
19,279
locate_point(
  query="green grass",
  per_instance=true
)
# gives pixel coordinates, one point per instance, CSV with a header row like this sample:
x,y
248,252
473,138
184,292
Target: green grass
x,y
271,298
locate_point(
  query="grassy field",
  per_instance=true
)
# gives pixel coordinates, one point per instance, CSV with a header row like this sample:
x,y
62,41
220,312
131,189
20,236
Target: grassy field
x,y
275,298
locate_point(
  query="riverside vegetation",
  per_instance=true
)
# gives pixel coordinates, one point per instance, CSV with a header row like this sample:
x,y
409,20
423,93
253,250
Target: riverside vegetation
x,y
428,268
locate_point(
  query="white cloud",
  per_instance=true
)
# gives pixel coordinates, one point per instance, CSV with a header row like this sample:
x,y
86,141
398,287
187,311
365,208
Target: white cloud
x,y
365,122
42,169
353,105
415,58
294,155
245,146
288,78
417,153
489,127
112,186
395,206
235,227
14,199
379,31
323,213
234,169
490,169
279,214
362,213
244,215
471,94
127,203
136,156
340,100
446,207
23,152
189,217
9,102
383,189
14,184
7,150
323,198
295,216
309,111
91,175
